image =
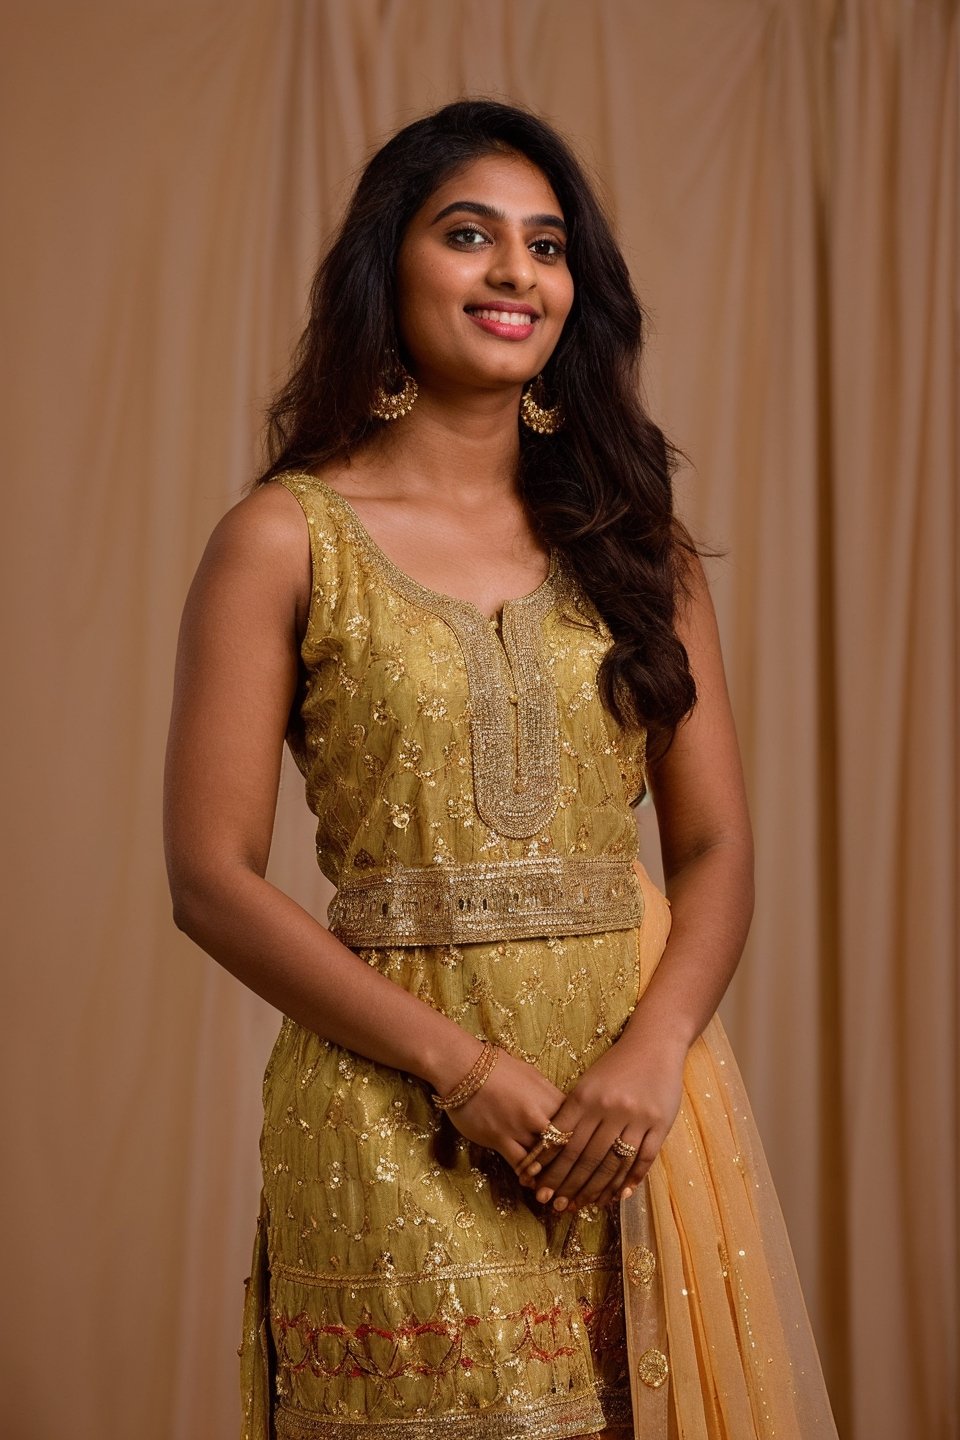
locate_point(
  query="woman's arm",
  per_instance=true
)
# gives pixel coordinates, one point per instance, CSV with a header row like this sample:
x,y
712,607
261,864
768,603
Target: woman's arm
x,y
634,1089
706,843
236,678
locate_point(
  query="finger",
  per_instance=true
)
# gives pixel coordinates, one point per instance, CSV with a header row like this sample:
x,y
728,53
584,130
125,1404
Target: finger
x,y
583,1182
610,1175
566,1117
579,1167
609,1196
603,1184
634,1181
565,1120
549,1140
512,1151
530,1156
534,1153
556,1171
528,1172
530,1176
622,1189
540,1153
635,1176
640,1167
553,1175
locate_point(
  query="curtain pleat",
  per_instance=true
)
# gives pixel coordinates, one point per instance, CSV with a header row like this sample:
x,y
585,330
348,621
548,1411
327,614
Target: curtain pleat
x,y
784,176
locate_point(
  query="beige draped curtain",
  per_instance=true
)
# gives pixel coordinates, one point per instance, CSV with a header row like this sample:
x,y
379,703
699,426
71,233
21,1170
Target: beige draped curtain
x,y
784,176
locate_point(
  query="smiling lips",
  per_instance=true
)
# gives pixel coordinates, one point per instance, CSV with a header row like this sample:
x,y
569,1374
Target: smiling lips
x,y
510,323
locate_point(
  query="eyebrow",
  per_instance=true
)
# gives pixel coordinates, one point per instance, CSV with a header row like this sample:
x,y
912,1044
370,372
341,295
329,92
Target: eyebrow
x,y
490,212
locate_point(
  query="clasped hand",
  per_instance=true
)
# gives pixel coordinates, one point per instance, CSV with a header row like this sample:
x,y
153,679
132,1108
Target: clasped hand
x,y
632,1091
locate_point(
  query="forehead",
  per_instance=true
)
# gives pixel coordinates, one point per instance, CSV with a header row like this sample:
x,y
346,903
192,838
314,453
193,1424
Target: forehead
x,y
509,182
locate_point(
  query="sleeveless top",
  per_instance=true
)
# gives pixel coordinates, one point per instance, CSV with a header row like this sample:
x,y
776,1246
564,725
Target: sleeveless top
x,y
468,782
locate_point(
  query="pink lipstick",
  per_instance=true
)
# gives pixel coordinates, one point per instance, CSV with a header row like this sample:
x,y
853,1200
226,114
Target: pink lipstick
x,y
510,322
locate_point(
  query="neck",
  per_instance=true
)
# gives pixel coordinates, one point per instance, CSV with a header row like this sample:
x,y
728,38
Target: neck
x,y
470,451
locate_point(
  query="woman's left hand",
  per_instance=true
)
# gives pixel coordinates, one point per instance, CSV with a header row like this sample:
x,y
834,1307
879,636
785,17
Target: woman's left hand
x,y
633,1093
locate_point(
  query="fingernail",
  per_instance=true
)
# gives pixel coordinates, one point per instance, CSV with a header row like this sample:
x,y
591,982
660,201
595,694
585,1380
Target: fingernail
x,y
560,1204
534,1169
544,1195
627,1193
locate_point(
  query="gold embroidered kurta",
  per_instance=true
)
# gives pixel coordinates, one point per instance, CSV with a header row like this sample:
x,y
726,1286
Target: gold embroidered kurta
x,y
467,781
472,796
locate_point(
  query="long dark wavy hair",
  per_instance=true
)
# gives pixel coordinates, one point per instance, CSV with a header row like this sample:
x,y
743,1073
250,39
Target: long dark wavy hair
x,y
600,488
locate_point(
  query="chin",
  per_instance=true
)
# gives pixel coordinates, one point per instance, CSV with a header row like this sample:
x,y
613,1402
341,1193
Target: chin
x,y
517,373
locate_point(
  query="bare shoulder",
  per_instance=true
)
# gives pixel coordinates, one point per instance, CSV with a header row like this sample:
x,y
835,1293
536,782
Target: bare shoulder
x,y
262,545
235,681
266,525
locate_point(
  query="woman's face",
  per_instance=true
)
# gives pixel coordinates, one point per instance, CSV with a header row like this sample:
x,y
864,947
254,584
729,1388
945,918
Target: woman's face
x,y
482,280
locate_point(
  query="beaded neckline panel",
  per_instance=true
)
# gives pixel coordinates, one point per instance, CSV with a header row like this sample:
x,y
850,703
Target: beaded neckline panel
x,y
513,700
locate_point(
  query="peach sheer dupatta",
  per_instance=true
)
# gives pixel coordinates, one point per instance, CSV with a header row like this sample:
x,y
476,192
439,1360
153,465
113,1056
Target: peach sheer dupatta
x,y
719,1341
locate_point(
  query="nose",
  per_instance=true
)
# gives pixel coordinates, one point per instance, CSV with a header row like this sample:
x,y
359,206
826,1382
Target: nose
x,y
512,266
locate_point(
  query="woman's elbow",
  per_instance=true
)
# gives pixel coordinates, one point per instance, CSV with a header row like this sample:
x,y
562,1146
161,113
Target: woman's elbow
x,y
188,905
194,892
208,896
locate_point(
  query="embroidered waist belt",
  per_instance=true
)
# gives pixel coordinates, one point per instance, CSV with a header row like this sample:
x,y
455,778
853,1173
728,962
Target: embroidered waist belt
x,y
503,900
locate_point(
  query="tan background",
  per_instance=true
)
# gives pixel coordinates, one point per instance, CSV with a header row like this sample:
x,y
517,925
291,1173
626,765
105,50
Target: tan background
x,y
785,178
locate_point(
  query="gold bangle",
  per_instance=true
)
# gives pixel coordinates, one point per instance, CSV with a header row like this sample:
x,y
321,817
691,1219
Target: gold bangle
x,y
475,1077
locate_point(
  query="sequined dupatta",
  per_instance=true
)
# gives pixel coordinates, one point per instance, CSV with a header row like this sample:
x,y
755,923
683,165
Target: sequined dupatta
x,y
719,1341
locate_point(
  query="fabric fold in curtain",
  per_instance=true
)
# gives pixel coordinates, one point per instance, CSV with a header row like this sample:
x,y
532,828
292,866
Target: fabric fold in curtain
x,y
784,177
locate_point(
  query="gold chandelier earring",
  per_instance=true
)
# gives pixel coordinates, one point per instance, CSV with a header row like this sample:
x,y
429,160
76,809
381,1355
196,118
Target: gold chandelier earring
x,y
543,419
394,403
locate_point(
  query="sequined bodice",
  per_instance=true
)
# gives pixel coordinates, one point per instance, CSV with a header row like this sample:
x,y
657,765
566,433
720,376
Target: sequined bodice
x,y
438,746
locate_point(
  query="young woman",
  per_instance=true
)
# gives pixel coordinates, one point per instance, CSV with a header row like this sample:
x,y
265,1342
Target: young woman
x,y
512,1187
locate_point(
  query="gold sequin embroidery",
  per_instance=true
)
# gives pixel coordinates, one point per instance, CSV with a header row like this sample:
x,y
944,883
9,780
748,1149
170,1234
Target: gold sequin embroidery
x,y
513,700
575,1265
378,1214
384,726
641,1265
652,1368
457,904
541,1420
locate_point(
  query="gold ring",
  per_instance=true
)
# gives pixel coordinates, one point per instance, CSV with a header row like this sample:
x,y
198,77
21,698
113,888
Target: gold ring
x,y
624,1149
550,1135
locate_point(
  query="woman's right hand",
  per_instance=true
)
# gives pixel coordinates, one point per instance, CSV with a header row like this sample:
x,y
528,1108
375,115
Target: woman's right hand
x,y
510,1109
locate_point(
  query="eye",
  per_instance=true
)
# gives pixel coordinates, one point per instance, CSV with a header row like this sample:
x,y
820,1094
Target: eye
x,y
467,237
549,247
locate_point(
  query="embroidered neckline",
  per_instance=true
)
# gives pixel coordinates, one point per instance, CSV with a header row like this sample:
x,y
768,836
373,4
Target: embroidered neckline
x,y
514,719
415,589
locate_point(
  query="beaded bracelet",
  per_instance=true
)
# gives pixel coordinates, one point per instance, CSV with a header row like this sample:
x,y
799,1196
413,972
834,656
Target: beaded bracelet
x,y
475,1077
